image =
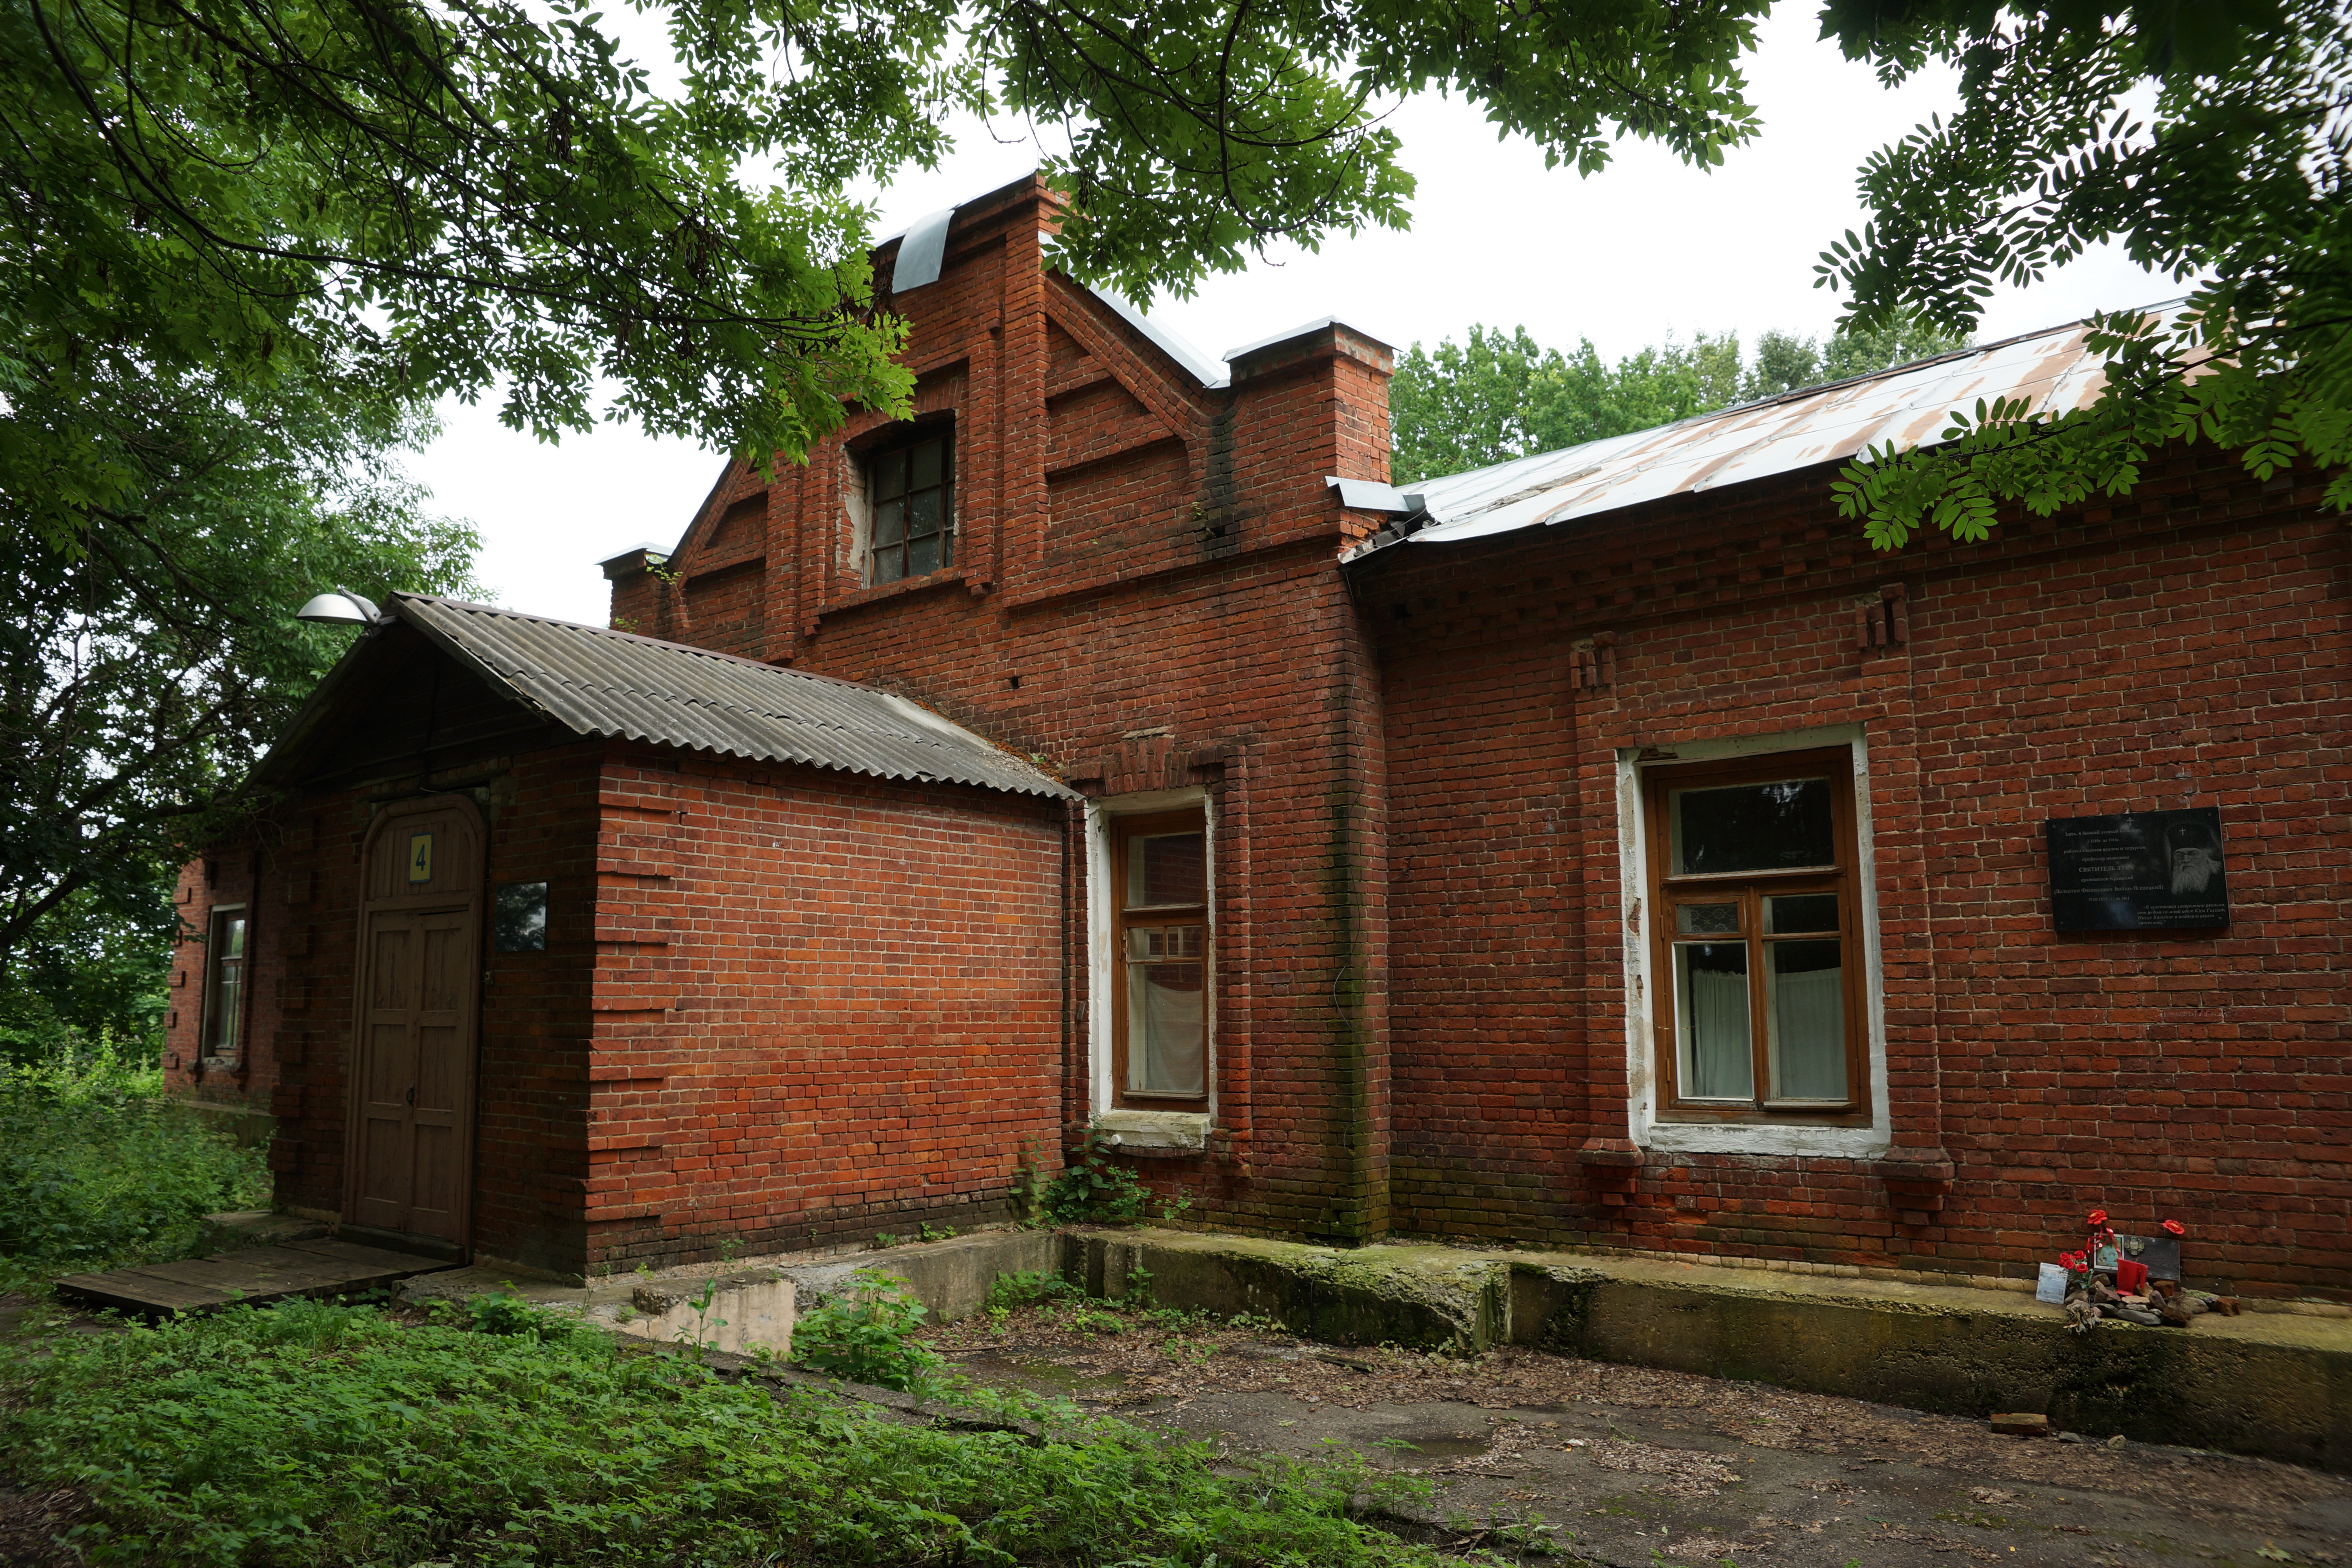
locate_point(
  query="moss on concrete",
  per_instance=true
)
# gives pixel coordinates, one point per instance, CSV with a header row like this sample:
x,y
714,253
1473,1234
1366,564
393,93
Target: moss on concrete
x,y
2269,1385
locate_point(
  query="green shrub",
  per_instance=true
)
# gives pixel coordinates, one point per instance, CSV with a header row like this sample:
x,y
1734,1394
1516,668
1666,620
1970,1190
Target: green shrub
x,y
99,1168
867,1335
308,1434
1092,1190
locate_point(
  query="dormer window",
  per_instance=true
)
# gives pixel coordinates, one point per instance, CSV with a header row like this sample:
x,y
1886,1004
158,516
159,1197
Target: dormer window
x,y
910,503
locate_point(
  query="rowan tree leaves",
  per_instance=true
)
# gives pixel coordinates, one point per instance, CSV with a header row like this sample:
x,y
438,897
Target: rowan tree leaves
x,y
2233,184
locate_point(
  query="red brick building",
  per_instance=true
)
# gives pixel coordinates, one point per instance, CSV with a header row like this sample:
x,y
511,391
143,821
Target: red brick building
x,y
562,948
1607,849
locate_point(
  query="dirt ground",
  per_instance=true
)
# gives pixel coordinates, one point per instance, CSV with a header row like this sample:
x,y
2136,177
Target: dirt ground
x,y
1627,1466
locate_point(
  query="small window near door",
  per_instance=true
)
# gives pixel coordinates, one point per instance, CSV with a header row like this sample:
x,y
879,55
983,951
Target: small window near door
x,y
225,961
1166,968
1755,882
519,917
911,505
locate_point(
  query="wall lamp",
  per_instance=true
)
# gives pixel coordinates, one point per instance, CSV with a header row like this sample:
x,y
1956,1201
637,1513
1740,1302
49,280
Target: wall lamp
x,y
341,608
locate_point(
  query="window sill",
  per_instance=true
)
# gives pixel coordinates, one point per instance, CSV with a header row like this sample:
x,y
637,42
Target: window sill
x,y
1860,1138
1709,1115
851,598
1174,1131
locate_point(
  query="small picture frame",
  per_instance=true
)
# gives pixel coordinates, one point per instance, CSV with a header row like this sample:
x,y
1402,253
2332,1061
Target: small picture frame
x,y
519,917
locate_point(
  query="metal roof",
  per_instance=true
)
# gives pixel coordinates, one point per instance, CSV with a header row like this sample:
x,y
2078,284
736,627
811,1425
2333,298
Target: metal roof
x,y
2054,371
595,681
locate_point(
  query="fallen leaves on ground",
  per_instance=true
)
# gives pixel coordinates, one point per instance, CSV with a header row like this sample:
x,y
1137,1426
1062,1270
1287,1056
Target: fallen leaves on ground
x,y
1144,1364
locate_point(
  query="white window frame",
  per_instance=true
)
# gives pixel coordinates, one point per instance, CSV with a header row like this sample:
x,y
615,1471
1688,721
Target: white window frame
x,y
1142,1128
1642,993
208,1009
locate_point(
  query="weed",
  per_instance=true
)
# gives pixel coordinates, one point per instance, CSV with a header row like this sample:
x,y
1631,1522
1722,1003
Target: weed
x,y
98,1168
925,1233
1138,1287
504,1313
698,1341
867,1335
1028,1186
1533,1538
1008,1292
1092,1190
885,1240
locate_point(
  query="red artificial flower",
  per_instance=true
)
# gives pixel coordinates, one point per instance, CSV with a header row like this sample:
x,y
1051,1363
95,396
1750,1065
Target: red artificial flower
x,y
2098,1219
2175,1227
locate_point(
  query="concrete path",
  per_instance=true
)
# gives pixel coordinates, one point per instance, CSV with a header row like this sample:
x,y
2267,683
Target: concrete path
x,y
1636,1466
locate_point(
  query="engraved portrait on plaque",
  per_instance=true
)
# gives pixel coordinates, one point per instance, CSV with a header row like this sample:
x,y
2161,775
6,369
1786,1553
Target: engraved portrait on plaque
x,y
2140,870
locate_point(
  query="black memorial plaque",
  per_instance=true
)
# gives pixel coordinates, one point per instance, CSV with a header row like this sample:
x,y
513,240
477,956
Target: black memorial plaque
x,y
2161,1255
2141,870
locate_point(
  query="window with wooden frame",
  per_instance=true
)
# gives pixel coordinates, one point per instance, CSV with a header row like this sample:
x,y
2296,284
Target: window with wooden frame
x,y
225,960
909,503
1165,947
1761,1005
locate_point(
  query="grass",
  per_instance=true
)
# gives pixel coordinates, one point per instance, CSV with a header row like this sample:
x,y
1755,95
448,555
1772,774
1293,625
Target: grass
x,y
99,1168
310,1433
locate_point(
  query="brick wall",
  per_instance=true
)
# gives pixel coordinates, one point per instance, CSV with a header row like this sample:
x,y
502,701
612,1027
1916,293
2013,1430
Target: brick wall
x,y
825,1006
1144,597
2184,647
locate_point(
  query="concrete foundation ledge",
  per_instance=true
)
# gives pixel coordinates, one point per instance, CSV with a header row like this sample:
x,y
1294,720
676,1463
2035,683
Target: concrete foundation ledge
x,y
2275,1385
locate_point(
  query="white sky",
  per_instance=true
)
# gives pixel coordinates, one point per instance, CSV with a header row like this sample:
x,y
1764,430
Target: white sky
x,y
1645,248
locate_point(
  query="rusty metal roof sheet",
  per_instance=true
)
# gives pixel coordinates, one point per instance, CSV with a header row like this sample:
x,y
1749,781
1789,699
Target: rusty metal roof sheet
x,y
600,682
2053,370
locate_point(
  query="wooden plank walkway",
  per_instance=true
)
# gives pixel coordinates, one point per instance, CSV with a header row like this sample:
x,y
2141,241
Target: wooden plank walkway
x,y
252,1275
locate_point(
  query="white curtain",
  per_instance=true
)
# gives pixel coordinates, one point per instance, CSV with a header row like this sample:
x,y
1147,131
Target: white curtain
x,y
1716,1064
1165,1031
1809,1034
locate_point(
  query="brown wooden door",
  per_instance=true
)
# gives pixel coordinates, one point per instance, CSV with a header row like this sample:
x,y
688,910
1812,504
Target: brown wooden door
x,y
410,1155
413,1073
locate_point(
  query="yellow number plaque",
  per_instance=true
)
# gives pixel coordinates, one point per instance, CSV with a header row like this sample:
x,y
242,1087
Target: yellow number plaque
x,y
420,857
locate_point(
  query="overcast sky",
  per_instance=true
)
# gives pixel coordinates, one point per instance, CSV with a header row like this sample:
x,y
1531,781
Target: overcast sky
x,y
1645,248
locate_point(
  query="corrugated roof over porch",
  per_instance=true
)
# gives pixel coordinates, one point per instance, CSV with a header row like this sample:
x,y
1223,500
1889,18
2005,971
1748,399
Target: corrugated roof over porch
x,y
597,682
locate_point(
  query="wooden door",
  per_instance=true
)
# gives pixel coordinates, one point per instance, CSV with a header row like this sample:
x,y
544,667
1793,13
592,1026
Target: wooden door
x,y
411,1150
